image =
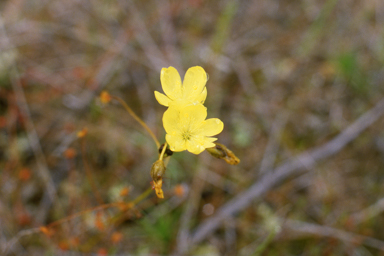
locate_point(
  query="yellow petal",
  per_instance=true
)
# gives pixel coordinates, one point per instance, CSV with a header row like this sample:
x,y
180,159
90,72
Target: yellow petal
x,y
201,98
205,142
194,147
211,127
208,142
194,83
171,120
171,82
176,143
162,99
193,115
179,103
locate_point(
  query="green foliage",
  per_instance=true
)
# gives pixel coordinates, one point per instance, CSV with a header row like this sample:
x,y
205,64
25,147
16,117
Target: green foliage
x,y
162,232
350,69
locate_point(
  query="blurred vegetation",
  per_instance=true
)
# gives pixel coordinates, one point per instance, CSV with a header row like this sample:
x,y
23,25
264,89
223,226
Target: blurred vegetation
x,y
284,77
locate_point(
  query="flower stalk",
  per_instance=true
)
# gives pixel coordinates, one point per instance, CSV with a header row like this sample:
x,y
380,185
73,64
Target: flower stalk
x,y
138,119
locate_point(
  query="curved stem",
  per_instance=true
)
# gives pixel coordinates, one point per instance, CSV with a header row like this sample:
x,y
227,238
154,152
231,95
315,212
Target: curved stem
x,y
138,119
163,151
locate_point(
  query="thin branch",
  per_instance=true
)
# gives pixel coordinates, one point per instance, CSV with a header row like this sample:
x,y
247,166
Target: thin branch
x,y
292,167
347,237
368,213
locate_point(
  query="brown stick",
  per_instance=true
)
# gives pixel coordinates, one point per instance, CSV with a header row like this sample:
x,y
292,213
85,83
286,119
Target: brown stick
x,y
292,167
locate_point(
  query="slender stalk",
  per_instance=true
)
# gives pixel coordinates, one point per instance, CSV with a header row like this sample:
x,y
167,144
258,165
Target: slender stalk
x,y
138,119
162,152
142,196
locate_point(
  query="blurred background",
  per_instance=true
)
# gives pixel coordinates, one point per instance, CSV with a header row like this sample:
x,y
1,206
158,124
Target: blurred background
x,y
284,77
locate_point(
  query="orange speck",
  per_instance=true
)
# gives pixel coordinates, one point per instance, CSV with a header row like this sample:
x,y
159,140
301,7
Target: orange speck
x,y
102,252
82,133
25,174
105,97
70,153
179,190
46,231
116,237
124,191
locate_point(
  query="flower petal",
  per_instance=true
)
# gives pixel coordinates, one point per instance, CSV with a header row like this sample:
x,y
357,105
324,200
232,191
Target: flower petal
x,y
171,120
194,147
194,83
208,142
194,115
176,143
171,82
212,126
201,98
162,99
205,142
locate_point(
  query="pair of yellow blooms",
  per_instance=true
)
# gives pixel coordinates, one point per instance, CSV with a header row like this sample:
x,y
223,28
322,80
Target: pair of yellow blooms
x,y
185,119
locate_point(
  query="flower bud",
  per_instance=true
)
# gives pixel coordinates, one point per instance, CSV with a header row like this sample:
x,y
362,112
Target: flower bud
x,y
222,152
157,172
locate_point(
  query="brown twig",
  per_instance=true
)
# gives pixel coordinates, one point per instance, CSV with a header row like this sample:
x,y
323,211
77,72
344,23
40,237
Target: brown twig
x,y
319,230
288,169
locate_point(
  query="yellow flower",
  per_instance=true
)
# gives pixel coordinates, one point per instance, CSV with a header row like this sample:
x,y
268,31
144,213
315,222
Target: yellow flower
x,y
187,128
192,91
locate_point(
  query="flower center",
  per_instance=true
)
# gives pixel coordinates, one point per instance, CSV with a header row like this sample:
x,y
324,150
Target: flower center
x,y
186,135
